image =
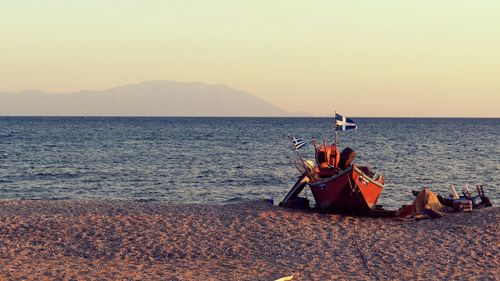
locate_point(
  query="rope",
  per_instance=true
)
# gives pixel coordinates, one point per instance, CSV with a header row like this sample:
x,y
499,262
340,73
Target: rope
x,y
352,191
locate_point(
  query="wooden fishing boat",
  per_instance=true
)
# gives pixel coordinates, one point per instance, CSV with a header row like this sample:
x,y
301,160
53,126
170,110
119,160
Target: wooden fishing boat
x,y
351,190
336,183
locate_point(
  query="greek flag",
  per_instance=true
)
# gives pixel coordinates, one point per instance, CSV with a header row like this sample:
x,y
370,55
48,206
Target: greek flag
x,y
297,143
343,123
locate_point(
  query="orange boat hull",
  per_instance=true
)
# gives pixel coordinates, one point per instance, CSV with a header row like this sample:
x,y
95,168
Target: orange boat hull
x,y
351,190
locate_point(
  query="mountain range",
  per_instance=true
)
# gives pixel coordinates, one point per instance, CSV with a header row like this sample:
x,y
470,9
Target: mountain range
x,y
151,98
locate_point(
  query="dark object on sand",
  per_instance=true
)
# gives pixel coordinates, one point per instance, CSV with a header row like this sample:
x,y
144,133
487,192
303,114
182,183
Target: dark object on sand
x,y
299,203
432,213
379,212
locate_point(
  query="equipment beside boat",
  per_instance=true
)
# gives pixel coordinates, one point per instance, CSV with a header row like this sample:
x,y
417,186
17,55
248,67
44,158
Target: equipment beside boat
x,y
467,201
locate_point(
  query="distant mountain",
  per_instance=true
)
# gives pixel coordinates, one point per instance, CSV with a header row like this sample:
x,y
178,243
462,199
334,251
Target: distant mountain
x,y
152,98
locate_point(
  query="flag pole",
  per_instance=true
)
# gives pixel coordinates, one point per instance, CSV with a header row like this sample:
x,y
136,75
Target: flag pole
x,y
304,163
335,127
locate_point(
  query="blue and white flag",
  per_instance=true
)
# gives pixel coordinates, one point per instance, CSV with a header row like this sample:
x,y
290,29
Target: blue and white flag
x,y
343,123
297,143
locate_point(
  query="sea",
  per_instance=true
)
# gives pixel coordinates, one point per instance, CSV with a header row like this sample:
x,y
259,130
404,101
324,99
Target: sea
x,y
229,160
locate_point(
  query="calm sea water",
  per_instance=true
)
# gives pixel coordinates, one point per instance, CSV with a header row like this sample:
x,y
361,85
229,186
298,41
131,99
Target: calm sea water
x,y
224,160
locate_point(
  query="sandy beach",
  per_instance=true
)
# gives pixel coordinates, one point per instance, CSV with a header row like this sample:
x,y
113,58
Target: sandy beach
x,y
123,240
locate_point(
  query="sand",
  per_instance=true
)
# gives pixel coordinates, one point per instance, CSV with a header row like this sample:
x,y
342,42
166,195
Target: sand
x,y
122,240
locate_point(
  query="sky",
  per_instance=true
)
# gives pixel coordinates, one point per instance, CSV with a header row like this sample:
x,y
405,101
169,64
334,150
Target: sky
x,y
363,58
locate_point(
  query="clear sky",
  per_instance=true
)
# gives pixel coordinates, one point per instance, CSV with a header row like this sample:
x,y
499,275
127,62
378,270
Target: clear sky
x,y
363,58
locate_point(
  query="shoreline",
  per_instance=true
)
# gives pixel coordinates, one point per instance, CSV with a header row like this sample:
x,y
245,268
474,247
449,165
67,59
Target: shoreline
x,y
115,239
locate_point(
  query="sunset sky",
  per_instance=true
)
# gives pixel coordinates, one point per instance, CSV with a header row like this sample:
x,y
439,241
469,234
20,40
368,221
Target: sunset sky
x,y
364,58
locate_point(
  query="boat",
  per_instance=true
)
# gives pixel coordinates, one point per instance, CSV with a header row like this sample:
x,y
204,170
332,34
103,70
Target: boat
x,y
336,183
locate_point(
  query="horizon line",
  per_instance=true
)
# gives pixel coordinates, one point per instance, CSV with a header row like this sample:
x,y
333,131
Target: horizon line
x,y
217,116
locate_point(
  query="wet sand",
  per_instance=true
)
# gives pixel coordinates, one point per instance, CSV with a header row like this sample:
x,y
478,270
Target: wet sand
x,y
122,240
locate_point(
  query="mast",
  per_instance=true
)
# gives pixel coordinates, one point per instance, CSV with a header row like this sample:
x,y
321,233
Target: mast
x,y
335,127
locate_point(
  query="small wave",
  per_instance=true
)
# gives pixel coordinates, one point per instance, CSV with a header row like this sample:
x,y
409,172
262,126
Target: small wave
x,y
143,200
234,200
56,175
